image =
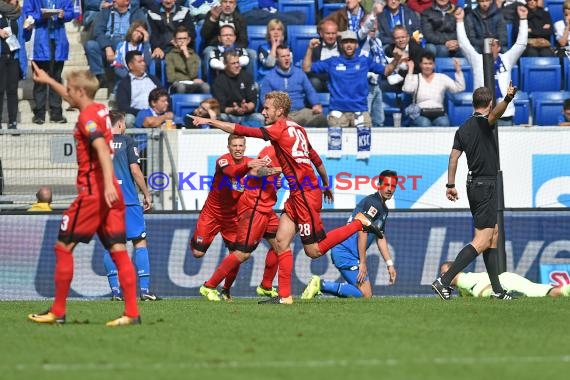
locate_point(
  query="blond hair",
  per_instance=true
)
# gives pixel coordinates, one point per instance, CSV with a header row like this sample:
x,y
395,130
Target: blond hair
x,y
280,100
84,79
274,22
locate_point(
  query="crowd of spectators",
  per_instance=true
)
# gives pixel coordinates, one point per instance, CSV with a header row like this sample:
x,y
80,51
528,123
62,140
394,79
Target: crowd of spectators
x,y
202,46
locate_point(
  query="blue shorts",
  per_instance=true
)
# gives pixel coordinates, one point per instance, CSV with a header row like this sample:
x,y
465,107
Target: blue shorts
x,y
346,263
134,219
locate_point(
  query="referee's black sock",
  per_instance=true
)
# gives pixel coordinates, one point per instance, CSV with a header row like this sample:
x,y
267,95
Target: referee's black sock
x,y
464,258
491,258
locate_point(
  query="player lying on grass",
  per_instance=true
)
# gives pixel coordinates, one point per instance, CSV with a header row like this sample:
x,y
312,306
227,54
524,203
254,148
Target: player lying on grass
x,y
478,284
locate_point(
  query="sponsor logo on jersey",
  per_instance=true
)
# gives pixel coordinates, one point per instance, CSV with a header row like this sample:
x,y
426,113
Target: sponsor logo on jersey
x,y
91,126
223,162
372,211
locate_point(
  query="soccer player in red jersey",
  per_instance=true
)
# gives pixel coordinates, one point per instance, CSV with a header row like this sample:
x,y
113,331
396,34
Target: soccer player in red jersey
x,y
302,209
219,213
99,206
256,220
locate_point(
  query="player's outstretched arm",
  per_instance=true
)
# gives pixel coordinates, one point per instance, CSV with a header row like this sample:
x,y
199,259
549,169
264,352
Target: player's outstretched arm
x,y
139,180
104,157
40,76
223,125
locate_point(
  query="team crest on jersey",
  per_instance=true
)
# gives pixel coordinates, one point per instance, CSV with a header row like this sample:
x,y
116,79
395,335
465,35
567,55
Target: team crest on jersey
x,y
223,162
91,126
267,160
199,239
372,211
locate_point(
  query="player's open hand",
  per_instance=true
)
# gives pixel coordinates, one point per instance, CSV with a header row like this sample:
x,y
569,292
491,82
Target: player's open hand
x,y
328,196
111,195
147,203
392,273
451,194
362,273
40,76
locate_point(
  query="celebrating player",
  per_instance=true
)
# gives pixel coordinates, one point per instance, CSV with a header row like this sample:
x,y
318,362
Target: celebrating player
x,y
256,220
99,207
126,163
302,208
349,257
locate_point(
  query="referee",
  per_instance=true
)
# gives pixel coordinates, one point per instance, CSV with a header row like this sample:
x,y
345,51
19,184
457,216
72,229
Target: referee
x,y
476,138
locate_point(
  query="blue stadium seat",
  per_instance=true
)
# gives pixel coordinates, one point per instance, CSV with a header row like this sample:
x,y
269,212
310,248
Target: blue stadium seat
x,y
540,74
446,66
305,6
329,8
299,37
547,106
554,7
152,71
394,103
459,107
522,108
183,104
256,36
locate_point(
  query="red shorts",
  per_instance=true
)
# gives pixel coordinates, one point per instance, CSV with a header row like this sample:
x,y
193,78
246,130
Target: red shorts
x,y
304,208
252,226
208,226
89,214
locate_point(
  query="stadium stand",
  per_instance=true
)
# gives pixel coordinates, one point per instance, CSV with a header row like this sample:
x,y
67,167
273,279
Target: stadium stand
x,y
394,103
459,107
522,108
554,7
329,8
540,74
546,106
306,6
299,37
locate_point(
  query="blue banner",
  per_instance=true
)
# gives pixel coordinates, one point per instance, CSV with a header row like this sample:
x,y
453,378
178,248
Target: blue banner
x,y
419,242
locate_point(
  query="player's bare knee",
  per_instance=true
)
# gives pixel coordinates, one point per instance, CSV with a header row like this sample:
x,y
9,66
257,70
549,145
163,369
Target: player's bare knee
x,y
242,256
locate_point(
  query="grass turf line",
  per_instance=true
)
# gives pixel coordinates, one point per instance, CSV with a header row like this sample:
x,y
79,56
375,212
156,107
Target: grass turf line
x,y
399,338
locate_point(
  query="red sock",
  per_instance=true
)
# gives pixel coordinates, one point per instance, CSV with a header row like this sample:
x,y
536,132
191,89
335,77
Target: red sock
x,y
338,235
228,264
231,277
128,281
285,273
63,276
271,264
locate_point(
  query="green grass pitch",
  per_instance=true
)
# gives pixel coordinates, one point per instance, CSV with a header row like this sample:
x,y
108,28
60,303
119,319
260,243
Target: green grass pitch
x,y
383,338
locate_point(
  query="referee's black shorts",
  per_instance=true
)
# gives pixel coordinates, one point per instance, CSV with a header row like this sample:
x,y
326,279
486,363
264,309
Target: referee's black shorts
x,y
483,202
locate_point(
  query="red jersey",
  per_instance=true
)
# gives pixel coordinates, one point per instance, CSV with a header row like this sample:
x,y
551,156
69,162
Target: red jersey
x,y
261,192
293,150
93,122
226,187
